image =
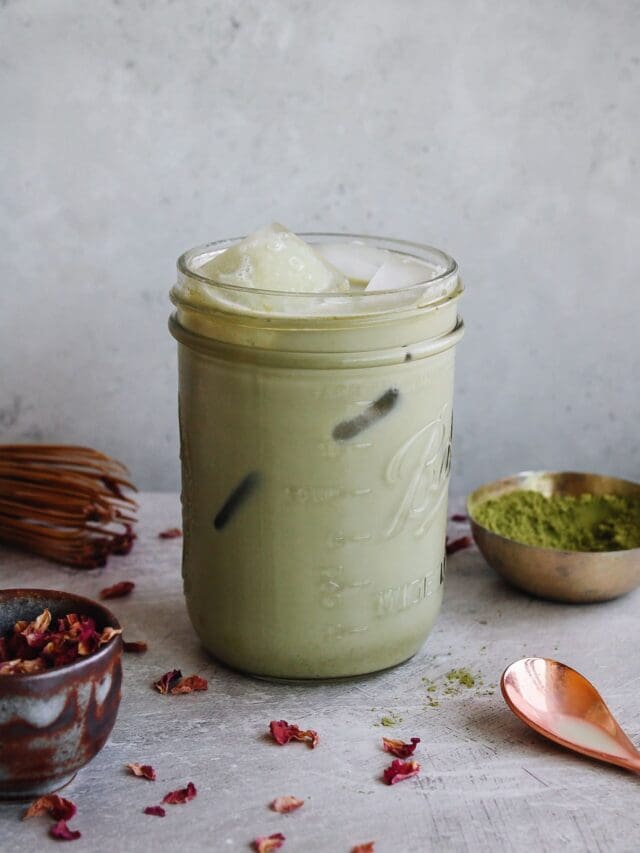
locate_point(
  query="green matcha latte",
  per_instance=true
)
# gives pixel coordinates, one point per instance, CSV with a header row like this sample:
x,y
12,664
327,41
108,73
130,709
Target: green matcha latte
x,y
315,394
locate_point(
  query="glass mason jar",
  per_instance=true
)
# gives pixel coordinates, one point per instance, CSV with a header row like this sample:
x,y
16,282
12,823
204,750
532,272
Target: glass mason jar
x,y
315,435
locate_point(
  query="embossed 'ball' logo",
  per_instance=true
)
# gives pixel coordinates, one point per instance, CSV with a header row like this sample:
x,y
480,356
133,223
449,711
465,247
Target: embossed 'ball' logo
x,y
424,463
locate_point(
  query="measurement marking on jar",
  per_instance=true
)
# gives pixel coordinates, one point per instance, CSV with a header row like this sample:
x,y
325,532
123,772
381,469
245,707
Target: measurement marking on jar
x,y
321,494
333,584
339,632
395,599
339,540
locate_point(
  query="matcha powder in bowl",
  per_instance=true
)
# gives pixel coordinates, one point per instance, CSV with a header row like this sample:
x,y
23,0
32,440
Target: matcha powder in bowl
x,y
561,535
584,522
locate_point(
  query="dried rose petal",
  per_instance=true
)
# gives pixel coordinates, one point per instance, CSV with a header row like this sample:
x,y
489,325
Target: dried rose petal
x,y
170,533
367,847
123,543
182,795
108,634
145,771
118,590
459,517
135,646
157,811
190,684
454,545
399,770
167,681
55,806
283,805
36,646
61,832
22,667
399,748
267,843
283,732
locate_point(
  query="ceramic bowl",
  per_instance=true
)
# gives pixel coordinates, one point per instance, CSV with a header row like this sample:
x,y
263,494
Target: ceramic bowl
x,y
52,723
569,576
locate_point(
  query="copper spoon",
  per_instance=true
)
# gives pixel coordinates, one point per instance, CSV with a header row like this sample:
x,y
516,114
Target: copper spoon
x,y
559,703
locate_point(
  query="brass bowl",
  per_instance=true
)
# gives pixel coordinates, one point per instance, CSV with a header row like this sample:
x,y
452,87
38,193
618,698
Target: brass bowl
x,y
571,576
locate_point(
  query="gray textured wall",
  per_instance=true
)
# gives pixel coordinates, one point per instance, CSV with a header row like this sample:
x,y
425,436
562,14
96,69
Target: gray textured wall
x,y
504,132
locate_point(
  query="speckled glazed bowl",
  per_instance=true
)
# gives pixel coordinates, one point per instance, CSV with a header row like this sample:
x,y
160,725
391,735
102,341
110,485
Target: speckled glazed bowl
x,y
52,723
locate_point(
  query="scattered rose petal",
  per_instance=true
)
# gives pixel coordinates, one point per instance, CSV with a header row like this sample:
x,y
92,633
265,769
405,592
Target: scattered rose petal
x,y
167,681
182,795
134,646
399,748
459,517
454,545
61,832
189,684
55,806
283,732
367,847
267,843
399,770
170,533
145,771
283,805
157,811
118,590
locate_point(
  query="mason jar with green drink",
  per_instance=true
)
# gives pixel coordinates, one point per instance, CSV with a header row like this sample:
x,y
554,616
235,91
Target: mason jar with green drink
x,y
315,409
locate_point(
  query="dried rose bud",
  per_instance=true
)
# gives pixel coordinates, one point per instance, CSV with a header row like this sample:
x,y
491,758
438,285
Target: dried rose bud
x,y
61,832
399,770
182,795
399,748
459,517
454,545
190,684
134,646
157,811
167,681
283,732
283,805
55,806
145,771
170,533
118,590
267,843
367,847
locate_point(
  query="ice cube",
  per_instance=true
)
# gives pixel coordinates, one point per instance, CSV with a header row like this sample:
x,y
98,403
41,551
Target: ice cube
x,y
400,272
357,261
275,259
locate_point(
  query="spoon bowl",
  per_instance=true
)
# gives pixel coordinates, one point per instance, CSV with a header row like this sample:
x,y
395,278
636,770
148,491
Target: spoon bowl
x,y
562,705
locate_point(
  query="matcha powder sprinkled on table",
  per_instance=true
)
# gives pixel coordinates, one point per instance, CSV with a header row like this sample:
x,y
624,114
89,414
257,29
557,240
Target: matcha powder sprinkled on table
x,y
570,523
461,676
390,719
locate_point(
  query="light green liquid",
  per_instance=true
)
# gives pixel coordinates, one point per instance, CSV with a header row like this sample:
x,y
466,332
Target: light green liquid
x,y
331,563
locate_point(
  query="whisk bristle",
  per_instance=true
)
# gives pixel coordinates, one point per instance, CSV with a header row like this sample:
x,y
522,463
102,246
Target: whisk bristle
x,y
65,503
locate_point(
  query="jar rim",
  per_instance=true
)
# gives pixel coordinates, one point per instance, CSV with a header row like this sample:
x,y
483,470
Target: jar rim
x,y
420,251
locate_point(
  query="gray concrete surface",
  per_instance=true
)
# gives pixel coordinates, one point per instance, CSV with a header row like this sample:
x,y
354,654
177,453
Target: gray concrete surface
x,y
487,782
506,133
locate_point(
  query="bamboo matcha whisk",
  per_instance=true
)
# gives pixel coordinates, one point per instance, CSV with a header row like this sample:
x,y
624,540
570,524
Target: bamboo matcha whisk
x,y
65,503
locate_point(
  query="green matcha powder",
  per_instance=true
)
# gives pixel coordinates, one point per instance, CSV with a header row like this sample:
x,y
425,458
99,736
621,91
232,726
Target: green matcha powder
x,y
581,523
